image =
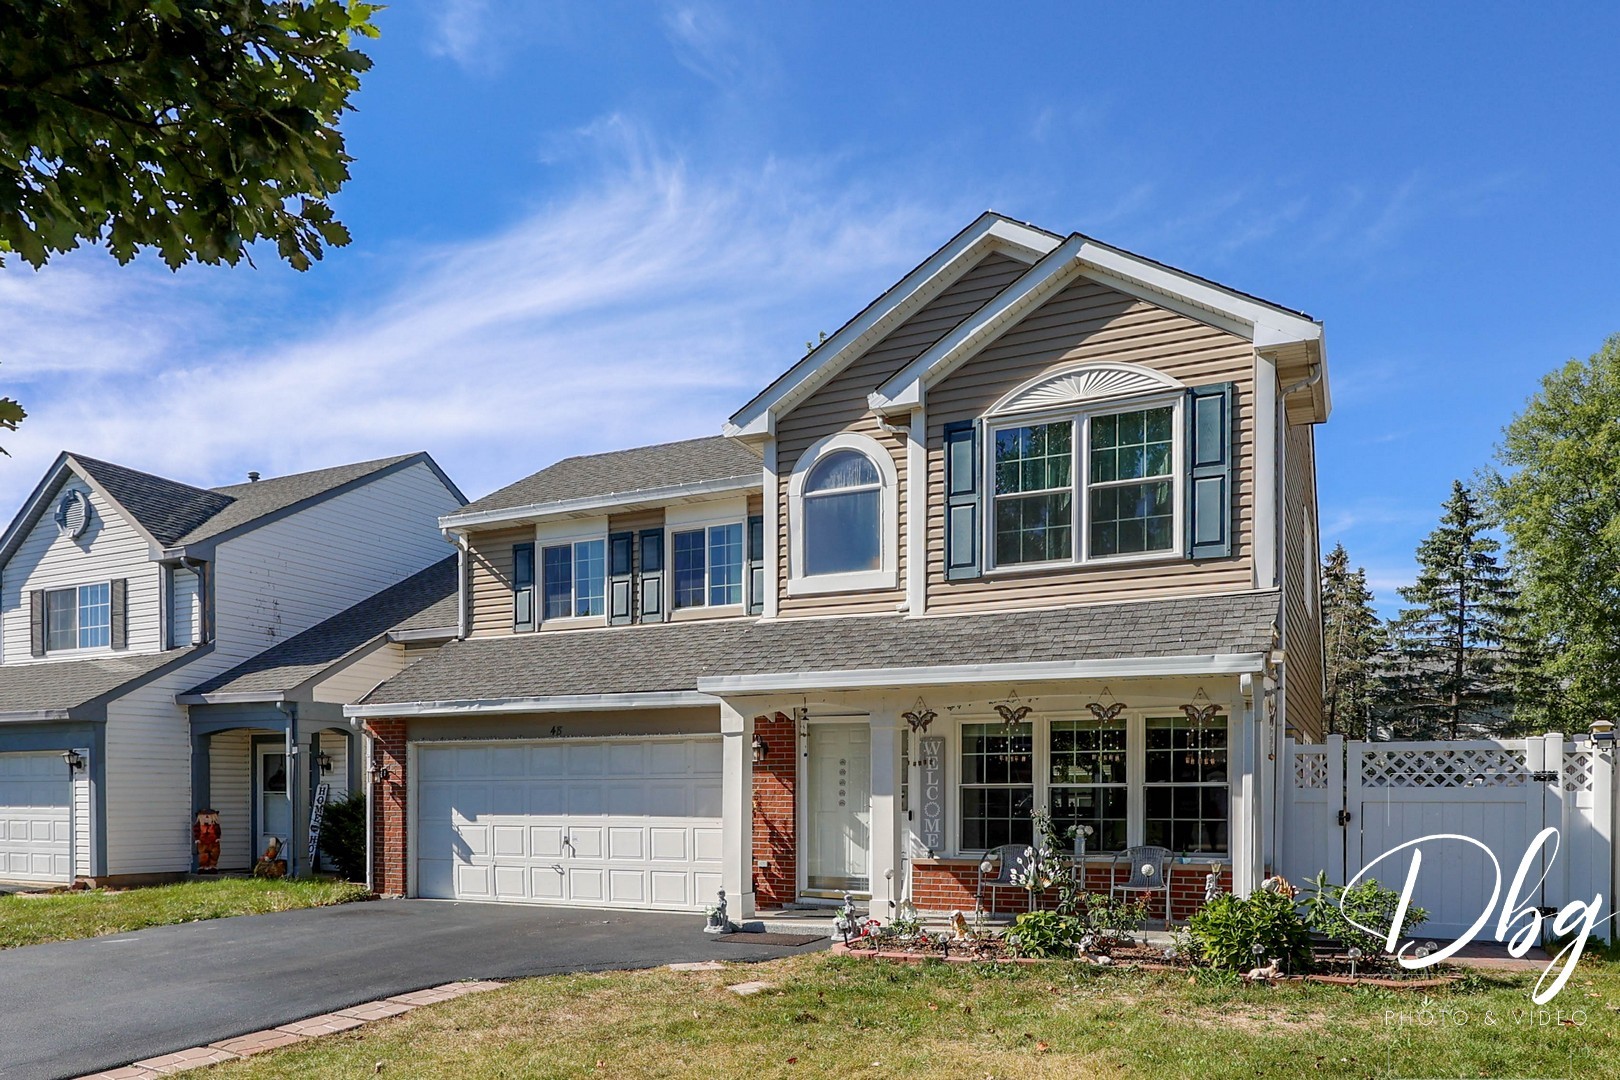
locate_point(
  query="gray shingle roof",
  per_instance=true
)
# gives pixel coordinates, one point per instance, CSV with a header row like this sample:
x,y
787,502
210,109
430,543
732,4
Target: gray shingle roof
x,y
673,656
167,509
65,685
176,513
623,472
425,599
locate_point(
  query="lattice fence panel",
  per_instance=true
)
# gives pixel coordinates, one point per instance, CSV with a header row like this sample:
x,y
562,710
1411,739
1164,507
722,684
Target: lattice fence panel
x,y
1579,771
1444,768
1311,769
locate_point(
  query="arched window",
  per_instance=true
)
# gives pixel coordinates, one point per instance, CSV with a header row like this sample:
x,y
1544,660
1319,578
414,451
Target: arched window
x,y
843,515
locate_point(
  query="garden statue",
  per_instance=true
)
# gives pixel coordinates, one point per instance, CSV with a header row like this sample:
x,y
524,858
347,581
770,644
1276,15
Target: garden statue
x,y
1212,885
1278,884
205,837
960,928
719,923
271,864
844,921
1272,970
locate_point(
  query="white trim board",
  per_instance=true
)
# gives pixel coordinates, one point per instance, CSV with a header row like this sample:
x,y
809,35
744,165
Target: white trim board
x,y
990,232
1265,325
593,505
878,678
671,699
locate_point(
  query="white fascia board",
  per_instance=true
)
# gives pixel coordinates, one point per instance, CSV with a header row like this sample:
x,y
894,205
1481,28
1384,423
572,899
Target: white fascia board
x,y
426,633
903,392
34,716
670,699
990,232
956,674
1261,323
455,523
240,697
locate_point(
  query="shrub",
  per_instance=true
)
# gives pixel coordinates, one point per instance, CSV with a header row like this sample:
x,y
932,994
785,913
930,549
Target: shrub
x,y
1331,908
343,836
1047,935
1226,930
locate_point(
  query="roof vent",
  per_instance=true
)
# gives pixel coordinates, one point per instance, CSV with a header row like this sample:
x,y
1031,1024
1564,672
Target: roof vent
x,y
73,514
253,478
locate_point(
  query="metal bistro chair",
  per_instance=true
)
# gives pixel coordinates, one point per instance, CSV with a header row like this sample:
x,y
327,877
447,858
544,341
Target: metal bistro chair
x,y
1011,862
1150,873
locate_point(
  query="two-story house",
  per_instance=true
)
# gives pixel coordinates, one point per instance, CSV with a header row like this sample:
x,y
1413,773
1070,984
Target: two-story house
x,y
166,648
1035,529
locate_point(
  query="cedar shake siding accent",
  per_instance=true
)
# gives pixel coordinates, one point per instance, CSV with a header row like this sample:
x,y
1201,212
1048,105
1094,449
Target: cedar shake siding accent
x,y
1302,674
1087,321
489,584
841,405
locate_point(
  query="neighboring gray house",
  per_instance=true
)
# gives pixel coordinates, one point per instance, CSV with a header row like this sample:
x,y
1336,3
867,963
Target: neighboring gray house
x,y
122,592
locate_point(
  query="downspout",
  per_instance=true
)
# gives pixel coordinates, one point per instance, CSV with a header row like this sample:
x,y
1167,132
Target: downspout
x,y
370,752
463,556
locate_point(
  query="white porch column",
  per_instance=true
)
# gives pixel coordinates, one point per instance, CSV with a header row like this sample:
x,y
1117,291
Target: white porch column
x,y
885,839
1246,855
737,812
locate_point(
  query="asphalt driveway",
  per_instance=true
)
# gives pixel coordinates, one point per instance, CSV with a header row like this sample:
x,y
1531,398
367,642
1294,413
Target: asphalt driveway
x,y
75,1007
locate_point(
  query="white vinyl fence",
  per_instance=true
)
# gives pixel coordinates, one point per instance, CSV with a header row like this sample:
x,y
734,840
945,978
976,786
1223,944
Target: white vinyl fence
x,y
1343,805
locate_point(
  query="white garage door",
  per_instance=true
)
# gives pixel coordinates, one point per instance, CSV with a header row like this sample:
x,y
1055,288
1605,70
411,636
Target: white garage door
x,y
36,828
613,822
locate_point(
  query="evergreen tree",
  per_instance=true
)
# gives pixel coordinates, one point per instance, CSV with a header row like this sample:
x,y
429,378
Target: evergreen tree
x,y
1452,651
1352,637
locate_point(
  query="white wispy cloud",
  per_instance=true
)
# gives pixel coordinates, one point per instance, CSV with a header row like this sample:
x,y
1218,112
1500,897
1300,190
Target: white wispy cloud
x,y
647,307
710,45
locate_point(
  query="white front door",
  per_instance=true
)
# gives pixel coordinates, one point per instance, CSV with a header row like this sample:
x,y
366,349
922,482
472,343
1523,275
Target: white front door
x,y
626,822
838,807
270,791
36,822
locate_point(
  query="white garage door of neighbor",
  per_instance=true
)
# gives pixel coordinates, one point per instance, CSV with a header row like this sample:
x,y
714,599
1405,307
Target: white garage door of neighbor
x,y
626,822
36,824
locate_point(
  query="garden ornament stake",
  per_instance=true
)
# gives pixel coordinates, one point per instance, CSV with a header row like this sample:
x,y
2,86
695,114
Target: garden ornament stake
x,y
844,921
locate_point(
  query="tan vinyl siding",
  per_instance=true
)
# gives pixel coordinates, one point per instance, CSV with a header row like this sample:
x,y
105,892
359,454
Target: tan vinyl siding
x,y
634,523
489,585
1087,321
841,405
1302,645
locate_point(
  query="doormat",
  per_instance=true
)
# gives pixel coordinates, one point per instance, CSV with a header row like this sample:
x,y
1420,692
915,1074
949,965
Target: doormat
x,y
743,938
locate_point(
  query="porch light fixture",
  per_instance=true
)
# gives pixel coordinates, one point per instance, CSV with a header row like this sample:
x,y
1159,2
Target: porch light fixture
x,y
379,774
324,760
760,748
74,760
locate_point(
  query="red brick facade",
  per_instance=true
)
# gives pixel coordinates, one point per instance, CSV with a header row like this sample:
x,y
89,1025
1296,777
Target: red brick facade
x,y
388,807
775,786
949,886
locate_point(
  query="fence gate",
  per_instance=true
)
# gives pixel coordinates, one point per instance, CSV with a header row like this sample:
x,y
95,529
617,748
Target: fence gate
x,y
1343,805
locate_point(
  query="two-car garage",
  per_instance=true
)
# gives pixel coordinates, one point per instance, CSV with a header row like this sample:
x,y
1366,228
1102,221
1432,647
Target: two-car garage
x,y
627,822
36,819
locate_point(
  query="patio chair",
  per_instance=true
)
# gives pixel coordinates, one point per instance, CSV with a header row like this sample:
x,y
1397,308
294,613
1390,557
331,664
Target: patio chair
x,y
1009,862
1150,873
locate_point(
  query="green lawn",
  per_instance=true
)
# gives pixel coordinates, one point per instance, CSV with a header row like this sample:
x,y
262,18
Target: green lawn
x,y
30,920
830,1016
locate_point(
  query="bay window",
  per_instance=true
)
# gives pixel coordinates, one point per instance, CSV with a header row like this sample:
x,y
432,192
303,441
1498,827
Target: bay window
x,y
1135,780
1094,485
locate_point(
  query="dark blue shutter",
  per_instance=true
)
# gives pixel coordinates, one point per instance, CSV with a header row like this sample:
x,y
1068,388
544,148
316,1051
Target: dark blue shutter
x,y
963,500
621,583
1209,471
756,564
522,586
652,575
118,613
36,622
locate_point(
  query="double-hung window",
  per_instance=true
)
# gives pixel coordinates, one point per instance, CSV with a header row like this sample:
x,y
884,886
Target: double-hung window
x,y
574,579
1096,485
1133,780
78,618
708,566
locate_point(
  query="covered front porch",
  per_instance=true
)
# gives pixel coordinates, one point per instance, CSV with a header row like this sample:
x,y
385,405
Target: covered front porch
x,y
897,790
260,766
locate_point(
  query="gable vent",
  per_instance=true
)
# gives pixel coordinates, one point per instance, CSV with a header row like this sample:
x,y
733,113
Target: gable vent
x,y
73,514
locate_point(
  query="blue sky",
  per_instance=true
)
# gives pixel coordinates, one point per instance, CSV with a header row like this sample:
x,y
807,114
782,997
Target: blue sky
x,y
586,226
